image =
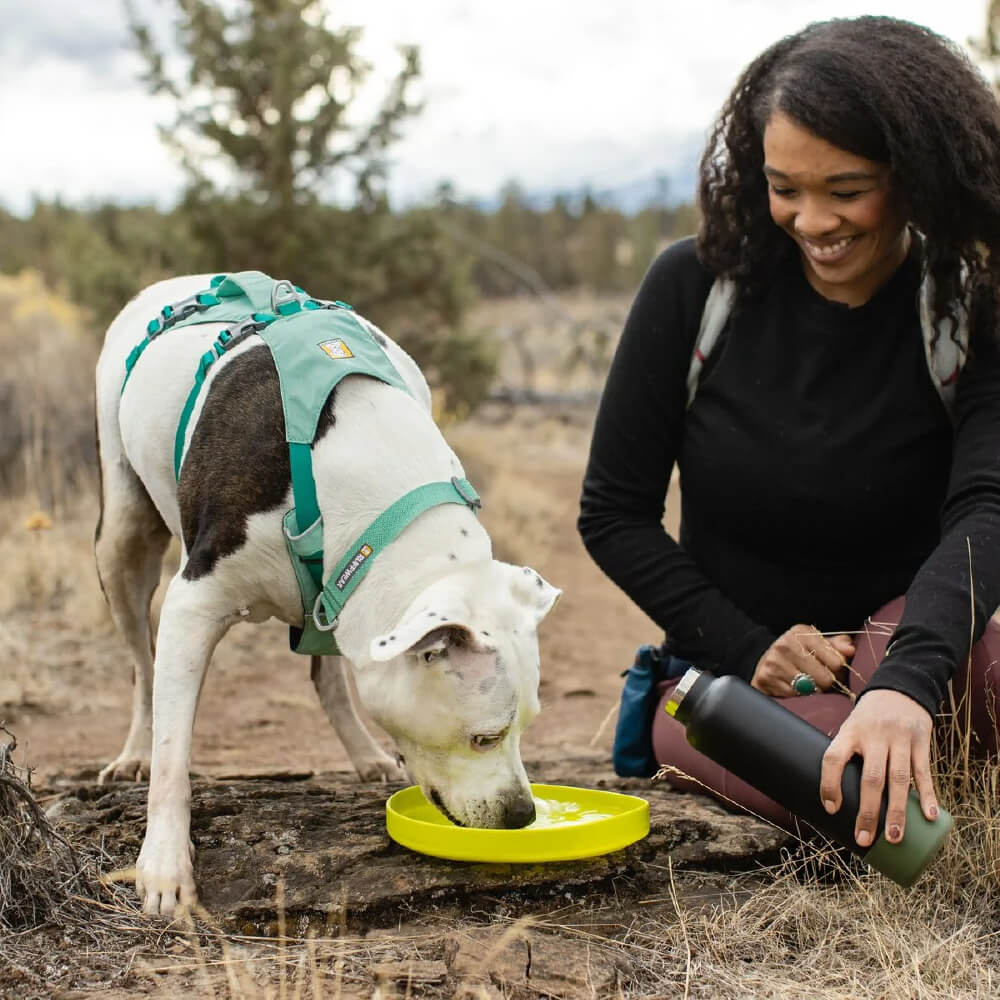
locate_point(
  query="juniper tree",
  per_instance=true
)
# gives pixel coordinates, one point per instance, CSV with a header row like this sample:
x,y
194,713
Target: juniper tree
x,y
265,94
281,179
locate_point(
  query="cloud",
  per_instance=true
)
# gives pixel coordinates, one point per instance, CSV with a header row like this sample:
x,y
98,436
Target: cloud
x,y
554,93
89,35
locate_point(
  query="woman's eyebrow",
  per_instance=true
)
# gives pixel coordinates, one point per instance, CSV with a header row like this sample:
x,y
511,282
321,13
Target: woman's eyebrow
x,y
847,175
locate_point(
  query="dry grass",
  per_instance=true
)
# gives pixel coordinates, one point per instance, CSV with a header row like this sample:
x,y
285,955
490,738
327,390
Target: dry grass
x,y
46,396
52,891
48,575
820,923
523,515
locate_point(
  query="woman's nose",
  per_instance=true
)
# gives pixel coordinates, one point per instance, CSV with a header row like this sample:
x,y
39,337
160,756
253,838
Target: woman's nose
x,y
815,220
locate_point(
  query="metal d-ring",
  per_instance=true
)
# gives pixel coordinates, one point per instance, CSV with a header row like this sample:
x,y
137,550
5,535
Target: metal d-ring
x,y
315,615
282,293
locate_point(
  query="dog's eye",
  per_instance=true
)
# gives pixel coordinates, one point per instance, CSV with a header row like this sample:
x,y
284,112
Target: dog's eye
x,y
430,655
483,742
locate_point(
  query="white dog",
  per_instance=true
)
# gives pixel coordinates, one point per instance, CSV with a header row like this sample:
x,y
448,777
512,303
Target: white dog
x,y
441,637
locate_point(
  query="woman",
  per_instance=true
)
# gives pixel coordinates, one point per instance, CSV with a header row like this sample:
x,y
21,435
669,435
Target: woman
x,y
853,172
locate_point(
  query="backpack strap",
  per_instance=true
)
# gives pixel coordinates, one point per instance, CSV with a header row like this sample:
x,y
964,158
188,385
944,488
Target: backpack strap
x,y
946,343
718,306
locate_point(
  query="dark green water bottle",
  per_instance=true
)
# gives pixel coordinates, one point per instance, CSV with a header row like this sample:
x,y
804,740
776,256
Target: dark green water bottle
x,y
781,755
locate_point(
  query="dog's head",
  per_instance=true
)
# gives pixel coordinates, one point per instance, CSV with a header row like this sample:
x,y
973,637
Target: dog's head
x,y
456,682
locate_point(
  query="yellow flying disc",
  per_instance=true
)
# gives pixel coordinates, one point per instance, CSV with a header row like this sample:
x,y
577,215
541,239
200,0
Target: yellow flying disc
x,y
570,823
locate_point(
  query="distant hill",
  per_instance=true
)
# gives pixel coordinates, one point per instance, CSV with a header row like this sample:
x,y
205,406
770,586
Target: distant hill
x,y
672,185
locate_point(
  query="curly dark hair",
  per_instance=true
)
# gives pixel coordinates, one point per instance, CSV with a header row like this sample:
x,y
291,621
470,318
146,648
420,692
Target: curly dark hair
x,y
890,91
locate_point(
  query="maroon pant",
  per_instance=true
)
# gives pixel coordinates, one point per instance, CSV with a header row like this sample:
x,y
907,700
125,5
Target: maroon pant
x,y
976,703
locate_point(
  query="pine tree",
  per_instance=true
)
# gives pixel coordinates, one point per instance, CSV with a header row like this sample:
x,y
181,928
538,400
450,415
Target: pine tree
x,y
282,181
265,95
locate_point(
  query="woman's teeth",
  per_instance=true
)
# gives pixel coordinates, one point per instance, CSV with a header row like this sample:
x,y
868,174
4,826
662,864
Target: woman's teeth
x,y
828,249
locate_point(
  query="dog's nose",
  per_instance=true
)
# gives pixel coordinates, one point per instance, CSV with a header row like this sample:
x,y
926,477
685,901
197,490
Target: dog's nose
x,y
520,813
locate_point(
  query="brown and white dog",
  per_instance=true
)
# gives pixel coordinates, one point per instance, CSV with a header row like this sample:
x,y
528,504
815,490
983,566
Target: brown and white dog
x,y
440,637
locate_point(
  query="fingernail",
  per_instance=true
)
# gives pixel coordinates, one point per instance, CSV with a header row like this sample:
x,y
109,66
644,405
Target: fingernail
x,y
894,832
864,838
933,810
829,806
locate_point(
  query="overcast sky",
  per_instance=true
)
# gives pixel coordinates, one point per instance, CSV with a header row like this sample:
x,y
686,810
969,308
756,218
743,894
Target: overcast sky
x,y
552,93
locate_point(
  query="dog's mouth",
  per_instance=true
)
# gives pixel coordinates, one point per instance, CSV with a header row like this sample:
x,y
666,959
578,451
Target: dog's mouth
x,y
436,799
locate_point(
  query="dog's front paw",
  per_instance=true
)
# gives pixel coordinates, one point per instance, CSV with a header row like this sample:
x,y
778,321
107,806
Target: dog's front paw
x,y
380,767
126,767
164,876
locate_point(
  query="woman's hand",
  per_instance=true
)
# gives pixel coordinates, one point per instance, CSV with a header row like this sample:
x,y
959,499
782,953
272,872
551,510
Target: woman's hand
x,y
801,650
893,735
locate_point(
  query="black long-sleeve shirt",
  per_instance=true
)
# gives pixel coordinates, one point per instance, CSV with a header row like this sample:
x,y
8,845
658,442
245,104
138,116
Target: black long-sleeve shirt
x,y
821,475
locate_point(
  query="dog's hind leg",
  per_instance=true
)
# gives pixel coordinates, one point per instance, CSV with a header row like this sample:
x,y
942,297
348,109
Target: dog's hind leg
x,y
130,541
330,676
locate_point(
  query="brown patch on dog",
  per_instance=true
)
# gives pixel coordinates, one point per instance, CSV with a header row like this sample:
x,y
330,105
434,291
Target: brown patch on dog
x,y
237,463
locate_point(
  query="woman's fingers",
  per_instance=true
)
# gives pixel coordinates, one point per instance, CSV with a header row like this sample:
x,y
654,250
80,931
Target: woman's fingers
x,y
899,788
800,650
872,785
923,781
844,645
835,759
809,652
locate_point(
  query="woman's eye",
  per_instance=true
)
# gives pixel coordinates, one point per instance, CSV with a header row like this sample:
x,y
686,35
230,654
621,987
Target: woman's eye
x,y
846,195
487,742
782,192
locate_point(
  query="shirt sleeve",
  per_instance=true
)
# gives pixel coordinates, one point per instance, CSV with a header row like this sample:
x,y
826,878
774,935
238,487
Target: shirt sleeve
x,y
957,589
637,435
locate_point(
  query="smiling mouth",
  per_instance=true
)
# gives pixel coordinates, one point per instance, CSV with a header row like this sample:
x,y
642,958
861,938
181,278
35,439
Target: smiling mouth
x,y
826,252
436,799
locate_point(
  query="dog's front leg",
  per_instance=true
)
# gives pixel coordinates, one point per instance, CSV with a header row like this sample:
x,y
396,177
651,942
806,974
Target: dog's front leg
x,y
329,675
189,630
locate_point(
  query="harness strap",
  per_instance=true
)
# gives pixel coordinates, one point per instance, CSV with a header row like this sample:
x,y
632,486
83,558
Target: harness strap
x,y
352,568
256,286
226,339
303,487
169,316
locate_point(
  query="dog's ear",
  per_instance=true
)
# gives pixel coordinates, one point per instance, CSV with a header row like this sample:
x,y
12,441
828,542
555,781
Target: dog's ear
x,y
530,591
430,633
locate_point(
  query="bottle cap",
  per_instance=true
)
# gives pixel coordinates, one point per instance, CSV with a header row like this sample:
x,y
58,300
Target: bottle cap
x,y
905,862
684,685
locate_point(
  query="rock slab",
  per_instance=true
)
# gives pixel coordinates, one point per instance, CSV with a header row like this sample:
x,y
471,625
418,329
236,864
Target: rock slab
x,y
323,838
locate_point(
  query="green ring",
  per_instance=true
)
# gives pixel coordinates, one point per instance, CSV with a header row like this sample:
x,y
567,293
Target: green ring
x,y
804,685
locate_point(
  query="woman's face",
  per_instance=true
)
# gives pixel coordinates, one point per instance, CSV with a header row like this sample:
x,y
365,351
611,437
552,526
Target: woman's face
x,y
841,210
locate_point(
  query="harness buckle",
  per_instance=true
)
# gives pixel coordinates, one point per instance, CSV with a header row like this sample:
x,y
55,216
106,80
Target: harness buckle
x,y
470,501
317,611
178,312
229,336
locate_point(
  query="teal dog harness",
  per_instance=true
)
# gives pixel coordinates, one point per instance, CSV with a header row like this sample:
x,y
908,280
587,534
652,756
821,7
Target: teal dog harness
x,y
314,344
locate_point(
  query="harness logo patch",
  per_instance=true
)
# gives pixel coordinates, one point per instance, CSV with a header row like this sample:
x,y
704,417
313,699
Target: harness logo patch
x,y
337,349
353,566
